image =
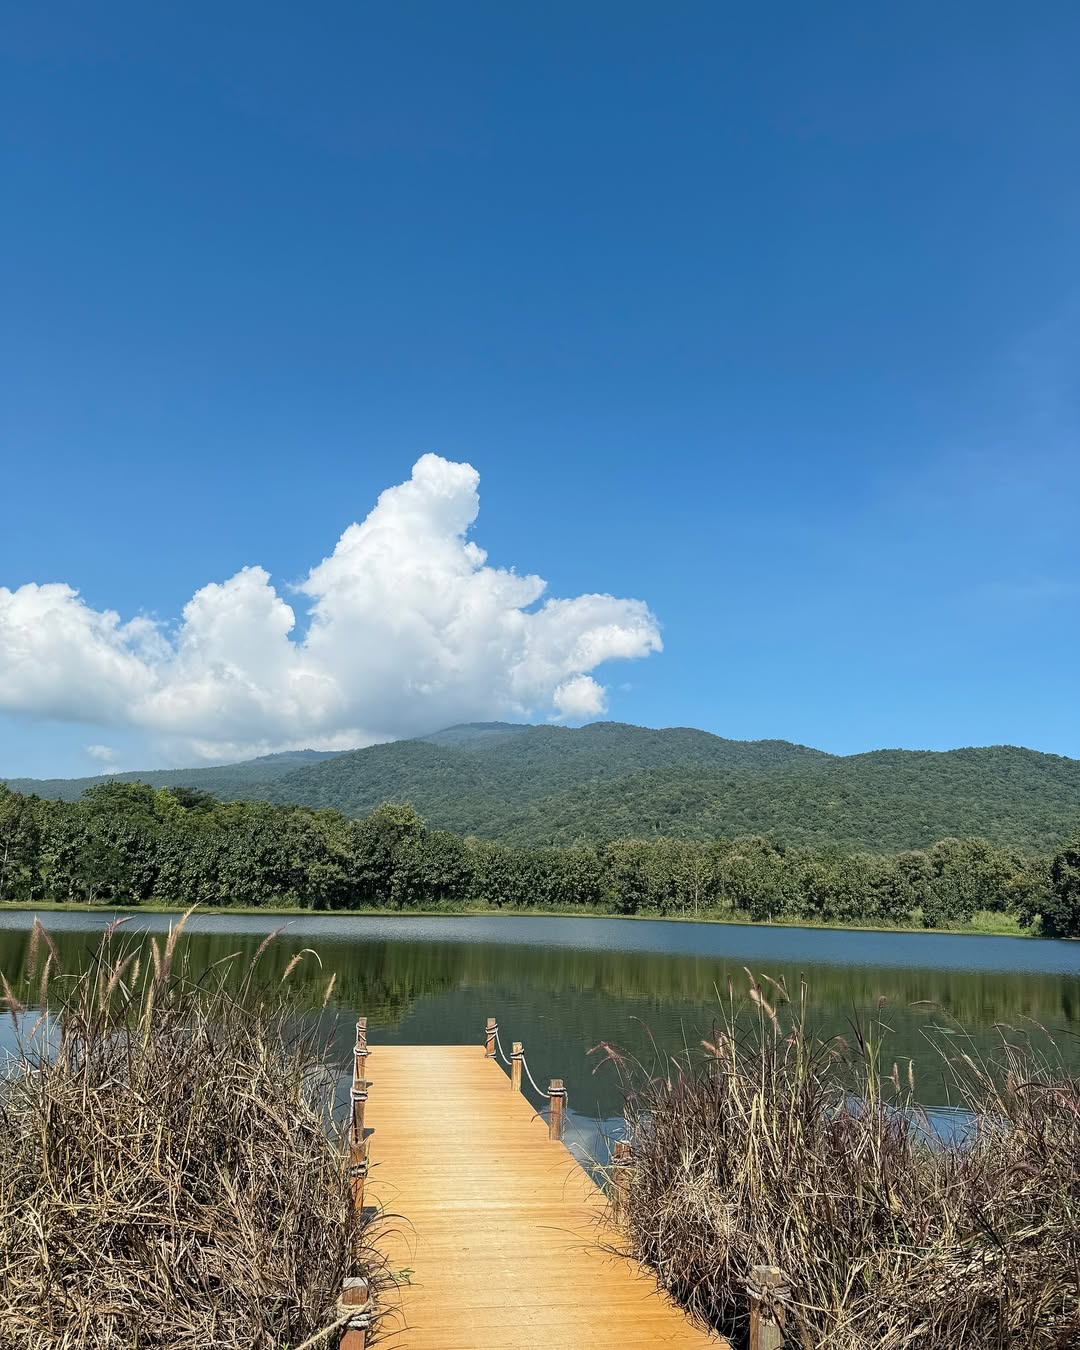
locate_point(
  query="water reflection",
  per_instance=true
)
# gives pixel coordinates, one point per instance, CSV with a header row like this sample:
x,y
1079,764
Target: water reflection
x,y
564,985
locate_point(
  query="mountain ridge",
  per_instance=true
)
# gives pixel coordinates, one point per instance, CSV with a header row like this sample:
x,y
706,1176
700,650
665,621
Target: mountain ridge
x,y
226,777
529,784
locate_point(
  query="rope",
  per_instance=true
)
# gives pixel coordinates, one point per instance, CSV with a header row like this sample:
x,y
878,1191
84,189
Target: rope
x,y
541,1092
532,1080
348,1317
498,1046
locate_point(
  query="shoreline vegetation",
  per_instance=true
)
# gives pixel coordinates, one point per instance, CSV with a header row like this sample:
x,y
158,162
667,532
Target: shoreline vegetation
x,y
127,844
173,1169
986,924
768,1146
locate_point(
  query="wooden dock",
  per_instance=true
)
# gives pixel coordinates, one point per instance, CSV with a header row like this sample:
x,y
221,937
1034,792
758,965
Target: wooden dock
x,y
499,1242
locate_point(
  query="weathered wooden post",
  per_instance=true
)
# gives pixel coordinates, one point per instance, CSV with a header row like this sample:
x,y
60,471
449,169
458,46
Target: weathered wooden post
x,y
766,1312
360,1050
556,1106
358,1094
355,1295
517,1052
358,1163
622,1160
489,1037
355,1302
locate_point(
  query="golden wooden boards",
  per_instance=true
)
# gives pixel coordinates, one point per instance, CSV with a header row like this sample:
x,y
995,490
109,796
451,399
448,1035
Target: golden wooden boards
x,y
498,1239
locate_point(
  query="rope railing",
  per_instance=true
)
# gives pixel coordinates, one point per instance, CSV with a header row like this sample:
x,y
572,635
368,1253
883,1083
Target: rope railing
x,y
532,1080
617,1173
498,1045
520,1057
555,1093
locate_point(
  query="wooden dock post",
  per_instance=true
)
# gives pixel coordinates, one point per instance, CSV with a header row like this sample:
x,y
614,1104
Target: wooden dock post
x,y
489,1037
358,1095
622,1159
355,1295
358,1170
358,1162
517,1052
556,1107
360,1051
766,1314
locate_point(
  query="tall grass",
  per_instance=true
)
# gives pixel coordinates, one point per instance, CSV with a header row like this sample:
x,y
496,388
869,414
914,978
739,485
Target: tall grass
x,y
771,1146
169,1172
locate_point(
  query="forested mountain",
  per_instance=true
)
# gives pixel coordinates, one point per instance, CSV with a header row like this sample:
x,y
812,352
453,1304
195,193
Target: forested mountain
x,y
539,785
543,785
229,782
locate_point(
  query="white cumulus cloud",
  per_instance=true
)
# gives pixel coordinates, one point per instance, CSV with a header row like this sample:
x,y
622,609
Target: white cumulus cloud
x,y
410,628
103,754
580,696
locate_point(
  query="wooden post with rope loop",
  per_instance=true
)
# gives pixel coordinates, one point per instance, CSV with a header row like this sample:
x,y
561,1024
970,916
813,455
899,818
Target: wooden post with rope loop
x,y
767,1290
354,1305
556,1108
622,1160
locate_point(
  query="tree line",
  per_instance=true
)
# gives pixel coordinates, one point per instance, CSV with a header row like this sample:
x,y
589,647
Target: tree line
x,y
128,843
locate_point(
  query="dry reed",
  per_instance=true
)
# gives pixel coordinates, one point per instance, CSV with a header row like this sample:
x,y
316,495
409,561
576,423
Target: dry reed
x,y
170,1175
770,1146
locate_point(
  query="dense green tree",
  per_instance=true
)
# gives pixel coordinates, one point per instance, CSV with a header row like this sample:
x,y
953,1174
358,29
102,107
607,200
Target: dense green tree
x,y
835,886
630,881
186,799
20,844
1061,903
429,867
966,875
128,843
378,841
497,875
572,876
752,876
905,885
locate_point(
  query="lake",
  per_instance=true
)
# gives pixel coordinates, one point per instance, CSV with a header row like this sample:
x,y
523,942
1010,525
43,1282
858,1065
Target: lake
x,y
563,985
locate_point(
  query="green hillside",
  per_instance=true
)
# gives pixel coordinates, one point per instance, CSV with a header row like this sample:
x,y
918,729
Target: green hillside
x,y
608,780
540,784
890,800
249,779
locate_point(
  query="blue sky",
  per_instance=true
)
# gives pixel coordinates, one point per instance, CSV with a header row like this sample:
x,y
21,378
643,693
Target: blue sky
x,y
766,317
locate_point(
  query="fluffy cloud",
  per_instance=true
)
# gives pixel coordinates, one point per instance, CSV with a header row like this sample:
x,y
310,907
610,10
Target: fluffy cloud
x,y
410,628
104,755
580,696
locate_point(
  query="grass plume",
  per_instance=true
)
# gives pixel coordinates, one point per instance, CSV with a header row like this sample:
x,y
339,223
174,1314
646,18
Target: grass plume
x,y
170,1170
771,1146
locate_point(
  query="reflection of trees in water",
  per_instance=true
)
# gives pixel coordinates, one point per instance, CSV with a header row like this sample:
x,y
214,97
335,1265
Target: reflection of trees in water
x,y
563,1001
365,980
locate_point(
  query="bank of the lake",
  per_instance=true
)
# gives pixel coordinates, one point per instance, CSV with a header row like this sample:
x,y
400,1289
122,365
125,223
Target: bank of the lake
x,y
985,924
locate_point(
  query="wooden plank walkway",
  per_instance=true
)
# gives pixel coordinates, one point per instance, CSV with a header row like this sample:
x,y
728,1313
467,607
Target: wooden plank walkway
x,y
499,1226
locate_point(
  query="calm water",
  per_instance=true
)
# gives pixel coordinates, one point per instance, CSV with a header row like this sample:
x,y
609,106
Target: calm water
x,y
564,985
